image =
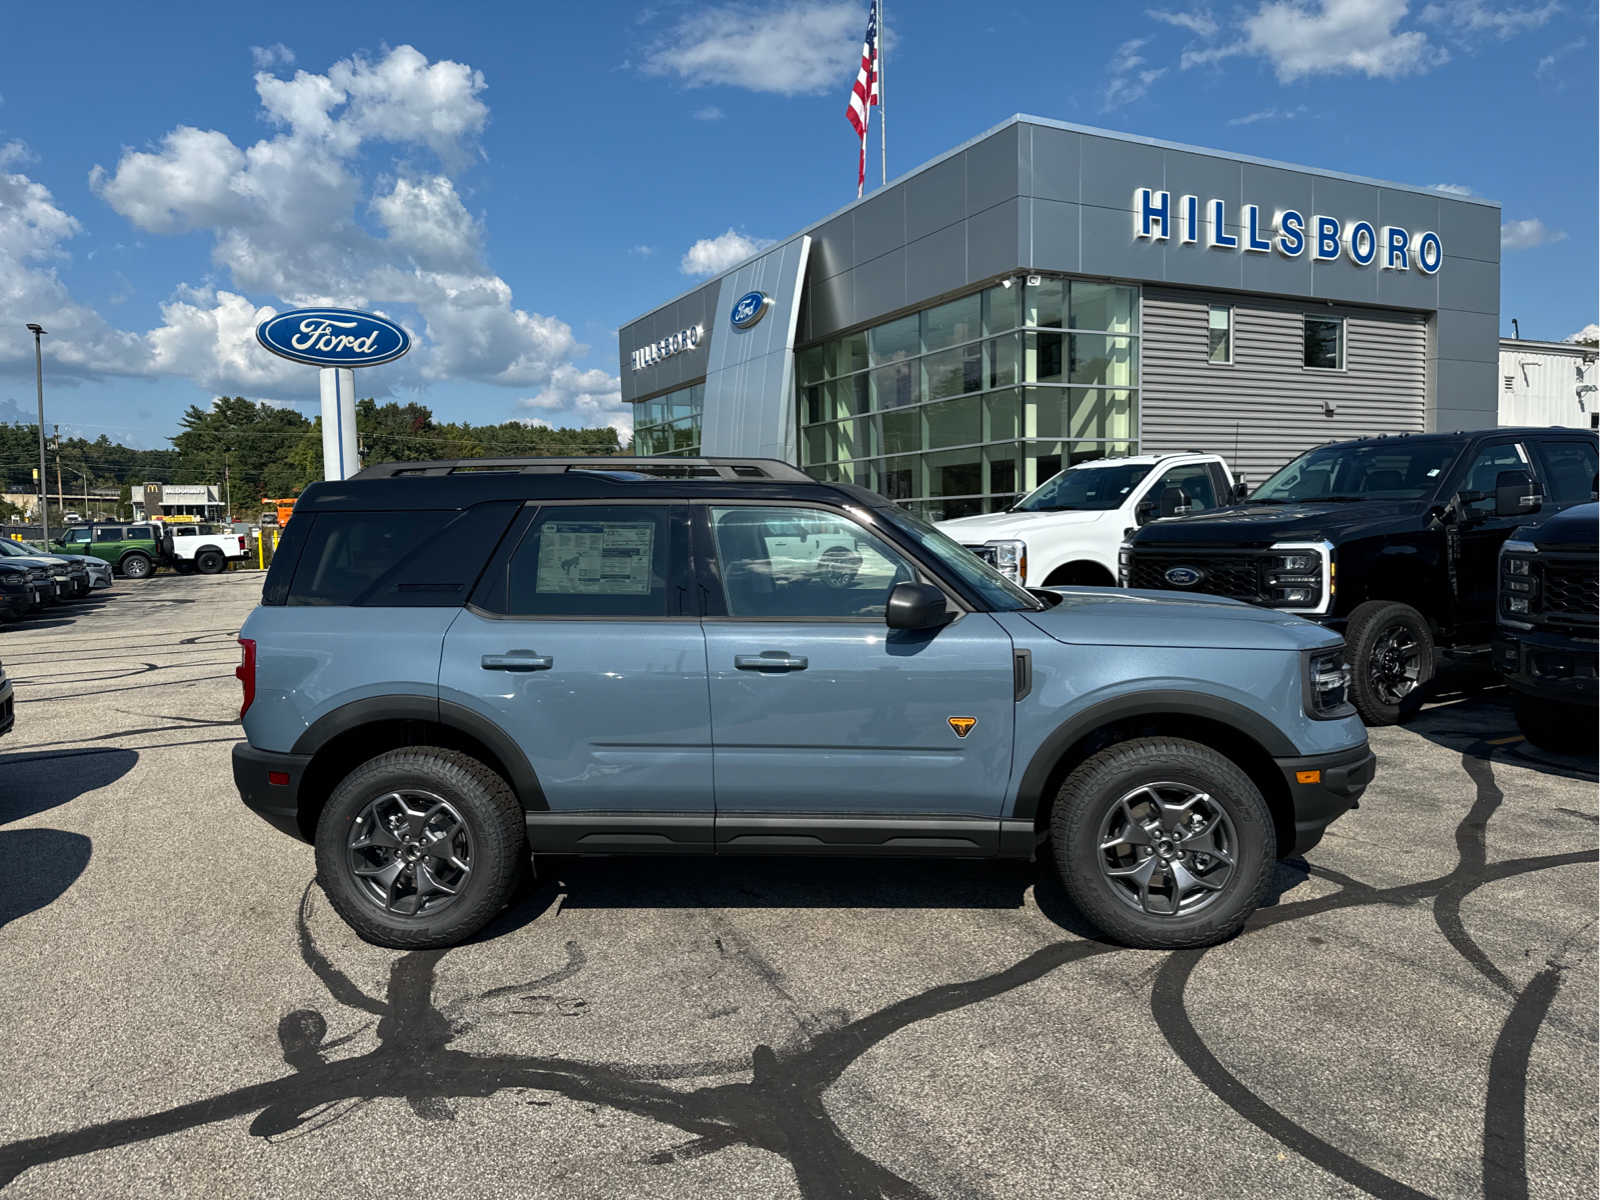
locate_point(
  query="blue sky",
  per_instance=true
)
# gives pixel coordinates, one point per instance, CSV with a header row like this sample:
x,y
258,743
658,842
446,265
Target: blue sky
x,y
515,181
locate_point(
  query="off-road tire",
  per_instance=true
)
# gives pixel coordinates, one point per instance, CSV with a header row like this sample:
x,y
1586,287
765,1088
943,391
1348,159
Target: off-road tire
x,y
210,562
137,565
1097,784
1559,728
1368,623
495,823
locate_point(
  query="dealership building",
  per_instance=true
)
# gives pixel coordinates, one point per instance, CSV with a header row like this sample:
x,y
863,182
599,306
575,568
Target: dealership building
x,y
1048,293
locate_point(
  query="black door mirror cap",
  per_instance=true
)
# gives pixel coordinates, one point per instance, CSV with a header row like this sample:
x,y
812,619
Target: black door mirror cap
x,y
1516,494
1145,512
916,606
1175,502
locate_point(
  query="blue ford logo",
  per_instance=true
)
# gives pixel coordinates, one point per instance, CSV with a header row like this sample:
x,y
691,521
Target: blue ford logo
x,y
1183,576
749,309
333,337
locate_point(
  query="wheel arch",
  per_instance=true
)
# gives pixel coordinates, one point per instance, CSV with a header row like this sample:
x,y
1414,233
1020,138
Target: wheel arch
x,y
341,740
1087,572
1246,737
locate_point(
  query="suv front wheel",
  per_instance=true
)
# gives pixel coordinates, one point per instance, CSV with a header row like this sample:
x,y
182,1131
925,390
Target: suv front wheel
x,y
1163,843
420,848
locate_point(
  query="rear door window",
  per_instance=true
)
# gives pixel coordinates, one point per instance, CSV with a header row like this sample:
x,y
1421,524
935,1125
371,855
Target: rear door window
x,y
1569,469
110,533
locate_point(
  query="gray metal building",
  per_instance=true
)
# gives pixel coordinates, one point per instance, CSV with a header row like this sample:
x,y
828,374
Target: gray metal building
x,y
1048,293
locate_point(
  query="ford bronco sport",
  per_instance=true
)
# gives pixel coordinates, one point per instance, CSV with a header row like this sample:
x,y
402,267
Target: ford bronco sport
x,y
454,663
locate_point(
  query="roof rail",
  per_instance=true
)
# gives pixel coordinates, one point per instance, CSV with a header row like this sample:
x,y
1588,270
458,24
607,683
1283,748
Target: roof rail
x,y
743,469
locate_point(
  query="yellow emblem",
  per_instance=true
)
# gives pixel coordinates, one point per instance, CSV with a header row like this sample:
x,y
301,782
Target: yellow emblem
x,y
963,725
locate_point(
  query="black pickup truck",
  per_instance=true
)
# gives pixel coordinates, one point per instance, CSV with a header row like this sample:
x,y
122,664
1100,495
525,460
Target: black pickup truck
x,y
1546,646
1393,540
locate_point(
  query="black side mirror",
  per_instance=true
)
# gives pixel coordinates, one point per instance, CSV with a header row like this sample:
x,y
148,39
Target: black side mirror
x,y
1145,512
916,606
1175,502
1241,491
1515,494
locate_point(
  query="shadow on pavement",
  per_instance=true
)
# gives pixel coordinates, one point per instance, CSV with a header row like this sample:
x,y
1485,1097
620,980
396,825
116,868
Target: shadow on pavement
x,y
1458,725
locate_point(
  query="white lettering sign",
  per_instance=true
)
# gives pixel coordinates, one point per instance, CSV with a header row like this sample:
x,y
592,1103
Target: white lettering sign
x,y
684,339
316,333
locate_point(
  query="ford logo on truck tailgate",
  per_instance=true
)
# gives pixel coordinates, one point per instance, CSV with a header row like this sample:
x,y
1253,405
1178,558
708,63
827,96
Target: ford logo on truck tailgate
x,y
1183,576
333,337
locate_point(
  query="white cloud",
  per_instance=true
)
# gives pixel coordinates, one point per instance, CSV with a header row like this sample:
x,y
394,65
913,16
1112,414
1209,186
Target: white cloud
x,y
1302,38
268,57
1270,114
1528,234
709,113
1547,63
641,250
1589,333
1454,189
1129,76
1480,16
712,256
1199,22
800,47
584,397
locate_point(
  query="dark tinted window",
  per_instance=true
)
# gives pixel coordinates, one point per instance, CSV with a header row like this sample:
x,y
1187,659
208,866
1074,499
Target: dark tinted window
x,y
1391,470
110,533
1488,464
803,562
595,560
1102,485
1569,470
1196,482
347,553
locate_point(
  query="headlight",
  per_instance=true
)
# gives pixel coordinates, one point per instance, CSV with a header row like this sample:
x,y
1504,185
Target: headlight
x,y
1294,577
1124,564
1519,582
1010,559
1326,684
13,583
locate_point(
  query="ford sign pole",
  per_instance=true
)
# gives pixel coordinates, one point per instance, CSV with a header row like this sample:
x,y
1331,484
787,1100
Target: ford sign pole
x,y
337,340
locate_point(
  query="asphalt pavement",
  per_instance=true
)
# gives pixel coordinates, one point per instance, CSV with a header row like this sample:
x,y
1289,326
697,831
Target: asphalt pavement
x,y
181,1014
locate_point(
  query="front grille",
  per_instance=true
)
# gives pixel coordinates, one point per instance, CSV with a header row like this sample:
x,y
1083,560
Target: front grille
x,y
986,553
1571,589
1221,574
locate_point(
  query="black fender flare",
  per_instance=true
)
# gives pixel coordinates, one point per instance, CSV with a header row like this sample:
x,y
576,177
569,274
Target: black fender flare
x,y
1257,728
376,709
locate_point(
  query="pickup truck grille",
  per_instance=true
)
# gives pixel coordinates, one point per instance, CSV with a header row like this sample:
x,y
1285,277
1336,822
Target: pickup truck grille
x,y
1570,591
1222,574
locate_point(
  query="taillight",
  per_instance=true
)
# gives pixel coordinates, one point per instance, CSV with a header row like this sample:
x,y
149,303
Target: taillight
x,y
245,672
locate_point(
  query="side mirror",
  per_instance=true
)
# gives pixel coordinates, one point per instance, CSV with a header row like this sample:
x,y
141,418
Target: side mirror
x,y
916,606
1175,502
1241,491
1145,512
1515,494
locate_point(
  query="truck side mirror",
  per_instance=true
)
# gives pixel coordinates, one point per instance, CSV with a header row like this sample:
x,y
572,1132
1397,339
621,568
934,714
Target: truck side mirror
x,y
1175,502
1144,512
915,606
1241,491
1516,494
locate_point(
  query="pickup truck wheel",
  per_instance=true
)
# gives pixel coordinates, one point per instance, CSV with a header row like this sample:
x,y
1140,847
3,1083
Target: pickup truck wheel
x,y
209,562
136,565
1561,728
1163,843
1392,659
419,848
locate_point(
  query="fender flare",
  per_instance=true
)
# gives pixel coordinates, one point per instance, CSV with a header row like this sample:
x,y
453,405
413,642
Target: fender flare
x,y
1030,792
375,709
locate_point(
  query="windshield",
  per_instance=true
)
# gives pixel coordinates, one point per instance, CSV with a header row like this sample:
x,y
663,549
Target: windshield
x,y
1393,470
998,592
18,549
1085,487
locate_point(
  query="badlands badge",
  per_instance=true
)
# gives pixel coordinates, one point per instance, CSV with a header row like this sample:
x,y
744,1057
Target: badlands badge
x,y
962,725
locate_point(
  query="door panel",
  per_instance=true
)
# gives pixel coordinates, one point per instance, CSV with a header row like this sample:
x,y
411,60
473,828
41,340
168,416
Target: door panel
x,y
1479,535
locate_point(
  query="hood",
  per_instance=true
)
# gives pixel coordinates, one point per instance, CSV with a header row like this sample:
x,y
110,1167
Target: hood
x,y
1117,617
971,530
1574,529
1260,525
50,562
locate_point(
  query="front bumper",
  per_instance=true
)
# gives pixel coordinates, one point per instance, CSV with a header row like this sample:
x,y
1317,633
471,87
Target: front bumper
x,y
1549,666
276,803
1322,788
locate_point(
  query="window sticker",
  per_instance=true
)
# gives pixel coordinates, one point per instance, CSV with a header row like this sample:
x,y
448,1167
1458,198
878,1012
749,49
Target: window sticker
x,y
588,558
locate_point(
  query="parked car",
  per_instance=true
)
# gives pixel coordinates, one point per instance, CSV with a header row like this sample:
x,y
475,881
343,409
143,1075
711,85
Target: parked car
x,y
20,588
98,569
452,664
207,549
133,549
1546,646
1069,529
70,578
1393,540
7,705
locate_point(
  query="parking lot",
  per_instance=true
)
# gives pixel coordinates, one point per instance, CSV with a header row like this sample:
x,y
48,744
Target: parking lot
x,y
1412,1014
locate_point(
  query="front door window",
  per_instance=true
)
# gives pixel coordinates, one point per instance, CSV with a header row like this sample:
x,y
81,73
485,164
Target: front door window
x,y
803,563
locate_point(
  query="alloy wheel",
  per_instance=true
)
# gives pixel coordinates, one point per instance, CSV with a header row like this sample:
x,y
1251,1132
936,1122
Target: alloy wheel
x,y
1167,849
410,852
1395,665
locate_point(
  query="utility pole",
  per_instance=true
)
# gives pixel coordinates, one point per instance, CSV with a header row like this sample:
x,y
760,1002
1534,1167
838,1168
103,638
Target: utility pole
x,y
38,376
227,485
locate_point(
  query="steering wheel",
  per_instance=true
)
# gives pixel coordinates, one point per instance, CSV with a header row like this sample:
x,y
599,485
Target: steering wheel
x,y
837,566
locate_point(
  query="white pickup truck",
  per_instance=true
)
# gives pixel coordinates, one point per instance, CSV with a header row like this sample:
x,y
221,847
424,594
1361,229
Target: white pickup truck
x,y
1069,529
204,548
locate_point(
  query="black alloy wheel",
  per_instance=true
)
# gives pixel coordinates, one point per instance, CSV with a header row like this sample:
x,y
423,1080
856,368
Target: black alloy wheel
x,y
1392,660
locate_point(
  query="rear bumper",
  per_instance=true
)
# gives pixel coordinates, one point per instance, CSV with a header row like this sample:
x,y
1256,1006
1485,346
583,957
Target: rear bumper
x,y
1324,787
1549,666
276,803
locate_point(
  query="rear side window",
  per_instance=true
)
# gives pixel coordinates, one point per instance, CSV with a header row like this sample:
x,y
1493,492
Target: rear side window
x,y
410,559
1569,468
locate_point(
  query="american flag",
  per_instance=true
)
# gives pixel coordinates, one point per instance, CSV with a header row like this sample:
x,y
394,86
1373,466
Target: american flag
x,y
865,93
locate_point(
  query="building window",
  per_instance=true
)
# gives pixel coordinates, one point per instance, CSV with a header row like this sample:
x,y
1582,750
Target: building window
x,y
1219,349
966,406
1325,343
670,423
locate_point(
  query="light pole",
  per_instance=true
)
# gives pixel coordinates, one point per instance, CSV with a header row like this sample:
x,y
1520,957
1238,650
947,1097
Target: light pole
x,y
38,376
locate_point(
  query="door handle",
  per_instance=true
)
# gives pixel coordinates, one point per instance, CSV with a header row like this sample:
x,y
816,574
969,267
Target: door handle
x,y
769,660
517,660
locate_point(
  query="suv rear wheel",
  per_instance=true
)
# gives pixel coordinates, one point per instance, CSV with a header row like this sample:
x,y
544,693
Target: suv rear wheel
x,y
1392,660
137,565
1163,843
419,848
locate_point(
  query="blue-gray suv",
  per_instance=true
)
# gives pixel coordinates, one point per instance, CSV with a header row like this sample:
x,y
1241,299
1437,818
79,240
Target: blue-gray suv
x,y
455,663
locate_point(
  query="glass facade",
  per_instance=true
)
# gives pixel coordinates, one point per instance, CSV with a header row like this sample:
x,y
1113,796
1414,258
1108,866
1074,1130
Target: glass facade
x,y
963,407
669,423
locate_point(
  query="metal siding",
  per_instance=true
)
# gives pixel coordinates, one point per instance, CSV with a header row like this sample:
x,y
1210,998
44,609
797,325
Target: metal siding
x,y
1189,404
1547,387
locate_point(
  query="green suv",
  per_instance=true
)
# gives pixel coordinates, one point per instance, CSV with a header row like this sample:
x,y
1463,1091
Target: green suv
x,y
132,550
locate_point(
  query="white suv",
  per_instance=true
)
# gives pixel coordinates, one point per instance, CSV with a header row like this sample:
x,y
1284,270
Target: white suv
x,y
1069,529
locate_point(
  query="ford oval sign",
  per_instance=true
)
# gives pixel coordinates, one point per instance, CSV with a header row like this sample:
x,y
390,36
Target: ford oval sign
x,y
333,337
1182,576
751,307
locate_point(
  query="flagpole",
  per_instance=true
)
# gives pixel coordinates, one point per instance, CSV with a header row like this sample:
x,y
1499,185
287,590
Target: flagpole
x,y
883,131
